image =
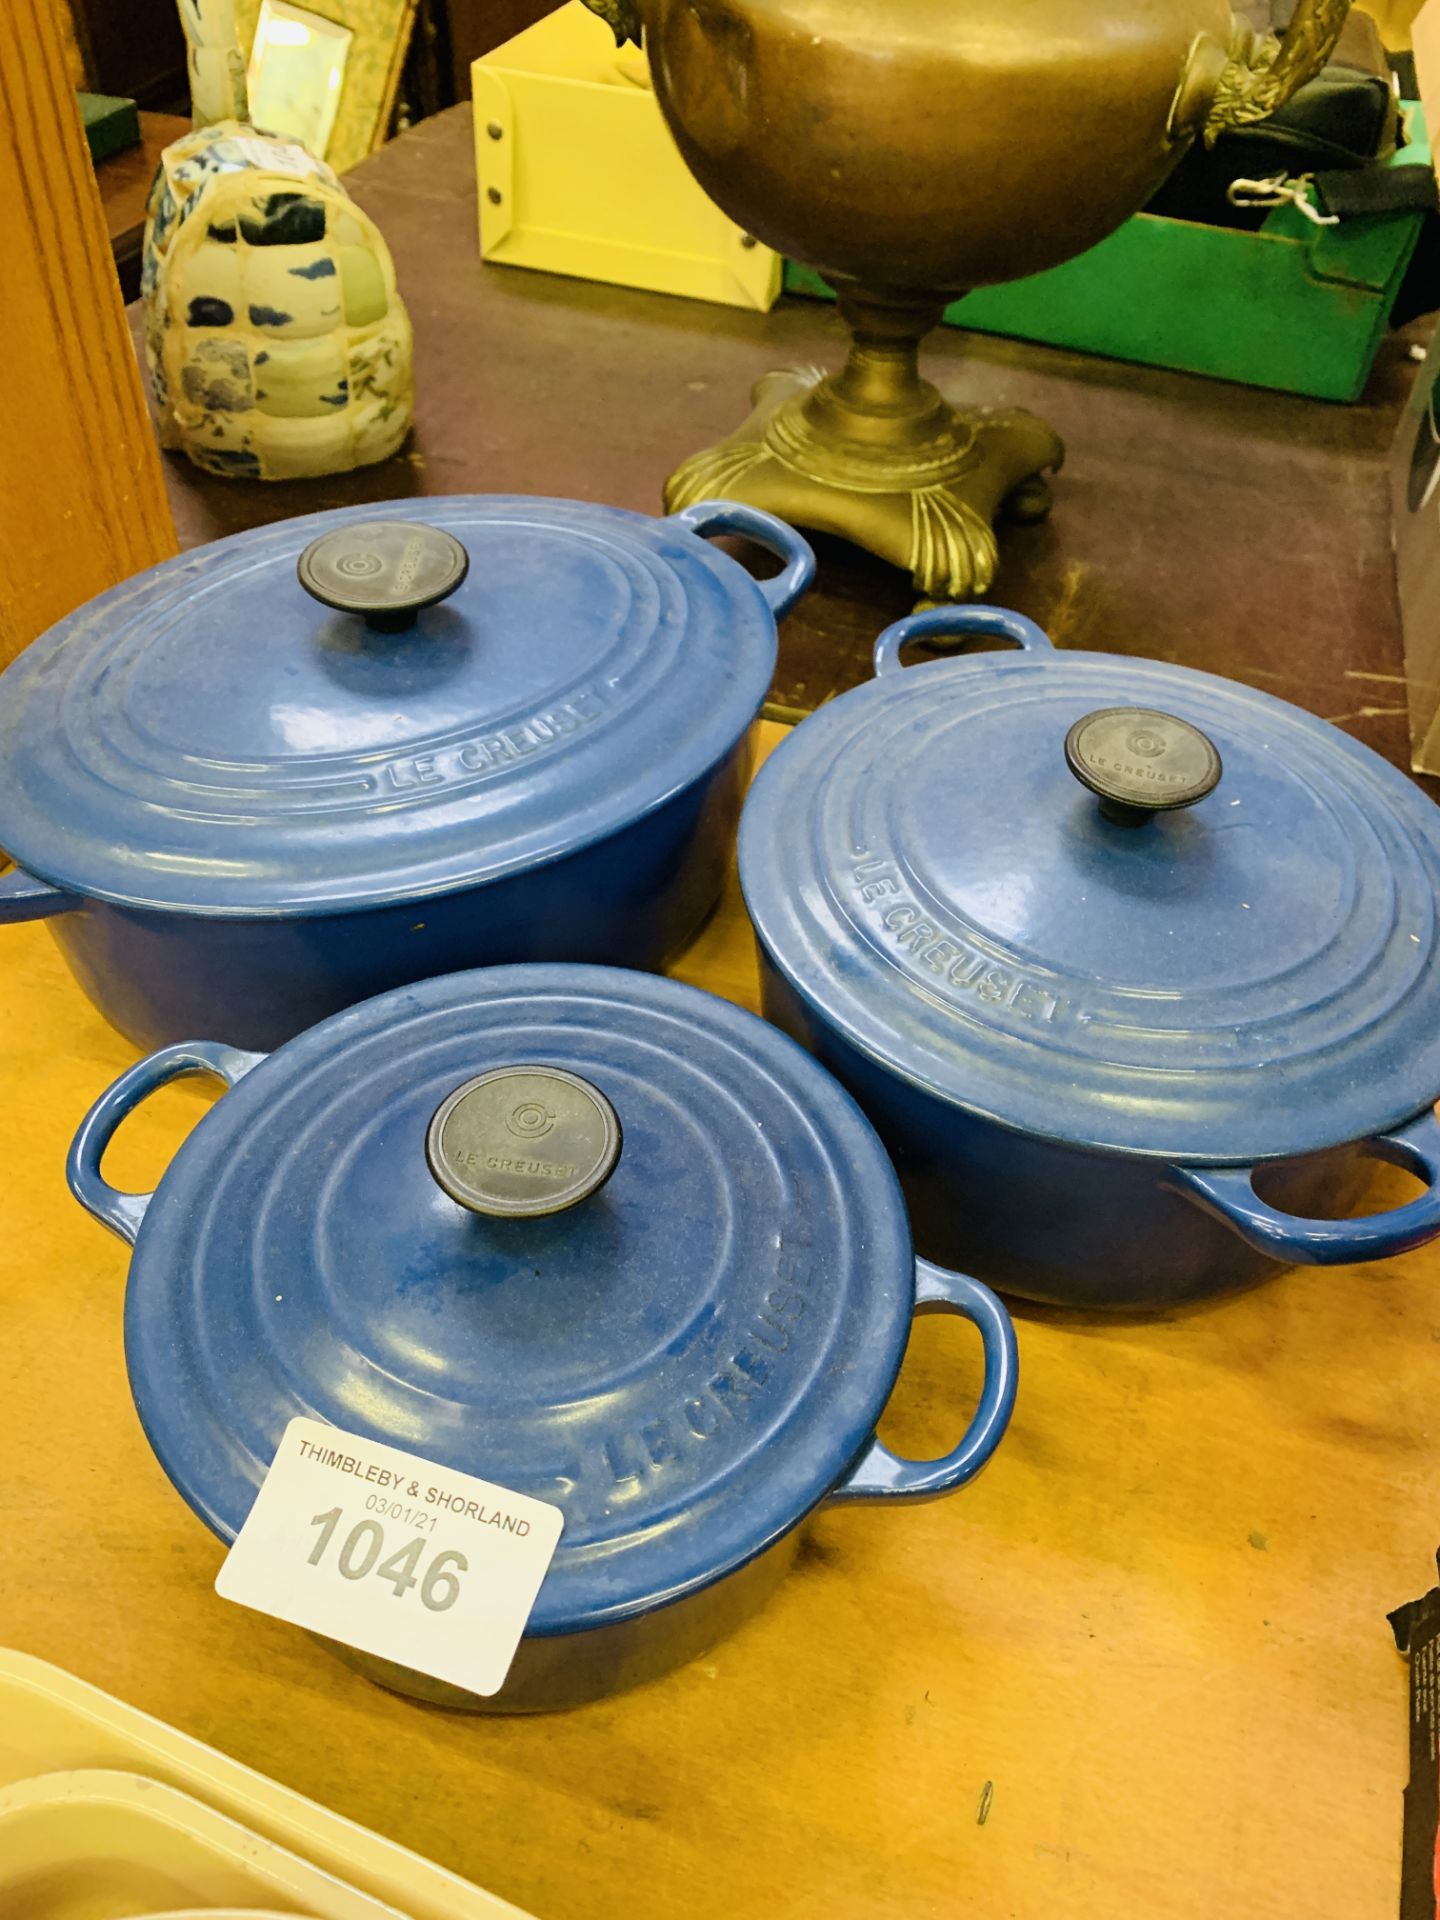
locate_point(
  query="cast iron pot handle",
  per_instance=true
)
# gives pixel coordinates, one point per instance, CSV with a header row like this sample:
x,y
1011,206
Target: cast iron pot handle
x,y
882,1475
958,623
123,1212
23,897
1228,1193
729,516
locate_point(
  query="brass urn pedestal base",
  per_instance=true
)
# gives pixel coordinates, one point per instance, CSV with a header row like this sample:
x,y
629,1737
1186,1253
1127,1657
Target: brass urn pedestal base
x,y
878,456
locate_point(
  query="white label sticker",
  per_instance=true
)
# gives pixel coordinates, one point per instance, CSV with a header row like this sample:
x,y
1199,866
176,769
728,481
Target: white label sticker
x,y
278,156
393,1555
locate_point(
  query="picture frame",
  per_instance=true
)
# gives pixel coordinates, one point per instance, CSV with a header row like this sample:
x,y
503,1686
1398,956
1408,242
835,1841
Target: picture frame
x,y
379,38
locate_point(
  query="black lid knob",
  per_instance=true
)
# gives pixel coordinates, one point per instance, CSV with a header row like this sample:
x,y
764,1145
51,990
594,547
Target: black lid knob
x,y
1141,763
385,570
521,1141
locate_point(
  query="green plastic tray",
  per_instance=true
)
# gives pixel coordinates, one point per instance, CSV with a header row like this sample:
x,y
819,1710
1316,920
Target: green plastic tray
x,y
1293,306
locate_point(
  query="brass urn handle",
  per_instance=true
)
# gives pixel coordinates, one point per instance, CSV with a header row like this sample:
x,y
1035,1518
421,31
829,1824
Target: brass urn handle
x,y
1264,71
622,17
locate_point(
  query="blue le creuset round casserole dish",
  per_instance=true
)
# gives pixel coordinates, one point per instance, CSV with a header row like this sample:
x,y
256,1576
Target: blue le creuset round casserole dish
x,y
688,1360
1131,966
313,761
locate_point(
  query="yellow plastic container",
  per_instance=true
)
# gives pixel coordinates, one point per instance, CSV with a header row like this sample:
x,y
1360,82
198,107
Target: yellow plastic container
x,y
106,1813
578,173
95,1845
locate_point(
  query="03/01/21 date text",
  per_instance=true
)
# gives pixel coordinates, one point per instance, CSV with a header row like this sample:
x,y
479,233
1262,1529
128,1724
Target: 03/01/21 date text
x,y
397,1510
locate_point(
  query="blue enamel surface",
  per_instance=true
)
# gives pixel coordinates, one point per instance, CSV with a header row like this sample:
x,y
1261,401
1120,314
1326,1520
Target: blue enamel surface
x,y
686,1363
633,899
207,738
1229,1193
1255,977
882,1475
1078,1227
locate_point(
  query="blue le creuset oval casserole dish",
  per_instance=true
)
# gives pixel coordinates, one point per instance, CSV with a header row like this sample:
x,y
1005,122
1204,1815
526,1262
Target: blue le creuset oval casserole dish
x,y
1131,966
319,759
688,1360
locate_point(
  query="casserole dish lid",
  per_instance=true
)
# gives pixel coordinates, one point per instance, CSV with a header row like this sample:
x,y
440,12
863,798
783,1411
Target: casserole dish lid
x,y
685,1359
227,735
1109,902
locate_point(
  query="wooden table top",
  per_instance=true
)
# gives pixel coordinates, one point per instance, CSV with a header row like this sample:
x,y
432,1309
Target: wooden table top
x,y
1148,1646
125,180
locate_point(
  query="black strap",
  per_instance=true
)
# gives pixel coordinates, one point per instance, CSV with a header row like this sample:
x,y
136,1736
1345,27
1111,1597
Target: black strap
x,y
1378,190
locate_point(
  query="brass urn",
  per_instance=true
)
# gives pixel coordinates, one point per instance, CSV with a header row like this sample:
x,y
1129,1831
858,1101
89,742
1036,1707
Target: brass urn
x,y
911,150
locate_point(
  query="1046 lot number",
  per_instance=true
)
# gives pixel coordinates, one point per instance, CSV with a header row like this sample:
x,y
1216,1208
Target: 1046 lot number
x,y
360,1553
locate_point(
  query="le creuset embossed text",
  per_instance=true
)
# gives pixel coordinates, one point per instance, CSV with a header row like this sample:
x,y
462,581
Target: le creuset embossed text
x,y
1132,967
589,1235
319,759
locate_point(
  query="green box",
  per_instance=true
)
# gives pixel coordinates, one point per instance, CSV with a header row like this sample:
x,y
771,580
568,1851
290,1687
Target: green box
x,y
111,124
1294,306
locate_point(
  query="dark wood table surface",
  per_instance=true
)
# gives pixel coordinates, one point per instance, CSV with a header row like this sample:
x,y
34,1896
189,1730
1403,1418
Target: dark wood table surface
x,y
1226,528
125,179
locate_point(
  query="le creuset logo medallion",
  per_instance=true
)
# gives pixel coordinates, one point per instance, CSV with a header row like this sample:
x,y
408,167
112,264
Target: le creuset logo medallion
x,y
1145,743
471,1150
531,1120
